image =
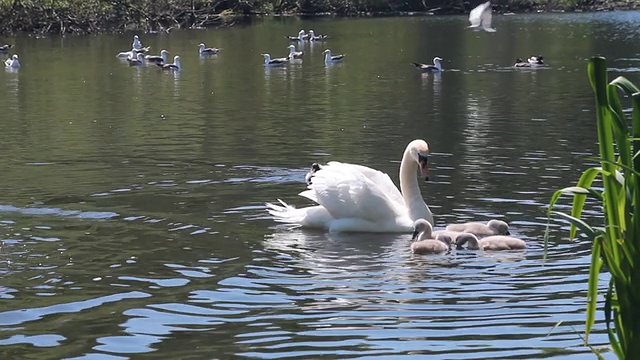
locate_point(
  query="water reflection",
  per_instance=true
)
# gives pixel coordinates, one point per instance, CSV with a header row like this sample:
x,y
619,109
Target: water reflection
x,y
146,230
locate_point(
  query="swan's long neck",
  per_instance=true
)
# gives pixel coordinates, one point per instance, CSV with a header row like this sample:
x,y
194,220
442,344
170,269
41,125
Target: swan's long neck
x,y
437,64
411,190
327,56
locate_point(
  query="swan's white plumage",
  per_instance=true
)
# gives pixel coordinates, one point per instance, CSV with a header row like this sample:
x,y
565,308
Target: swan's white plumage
x,y
353,197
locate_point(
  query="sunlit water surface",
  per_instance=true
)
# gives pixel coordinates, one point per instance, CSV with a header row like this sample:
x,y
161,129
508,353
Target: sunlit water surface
x,y
132,217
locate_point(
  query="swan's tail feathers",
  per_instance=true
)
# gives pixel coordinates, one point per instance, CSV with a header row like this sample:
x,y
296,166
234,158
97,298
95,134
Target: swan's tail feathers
x,y
285,212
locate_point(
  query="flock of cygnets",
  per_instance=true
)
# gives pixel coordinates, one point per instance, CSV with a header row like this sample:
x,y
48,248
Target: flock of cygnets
x,y
493,235
357,198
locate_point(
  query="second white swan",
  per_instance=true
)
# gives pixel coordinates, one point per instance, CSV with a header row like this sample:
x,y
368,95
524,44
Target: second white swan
x,y
358,198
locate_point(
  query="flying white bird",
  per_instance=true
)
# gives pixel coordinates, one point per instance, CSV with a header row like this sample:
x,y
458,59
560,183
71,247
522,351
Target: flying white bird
x,y
480,18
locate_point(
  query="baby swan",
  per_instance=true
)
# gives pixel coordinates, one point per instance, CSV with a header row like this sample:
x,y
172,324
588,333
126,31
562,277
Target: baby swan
x,y
495,242
425,243
436,67
493,227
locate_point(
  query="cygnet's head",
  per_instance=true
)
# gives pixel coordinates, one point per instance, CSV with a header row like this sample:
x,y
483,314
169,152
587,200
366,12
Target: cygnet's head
x,y
445,238
422,228
463,238
499,226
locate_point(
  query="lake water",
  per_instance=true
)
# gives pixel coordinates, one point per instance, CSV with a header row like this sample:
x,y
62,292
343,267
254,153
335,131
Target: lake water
x,y
132,213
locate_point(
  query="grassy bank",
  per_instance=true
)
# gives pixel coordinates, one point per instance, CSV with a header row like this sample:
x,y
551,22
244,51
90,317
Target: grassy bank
x,y
95,16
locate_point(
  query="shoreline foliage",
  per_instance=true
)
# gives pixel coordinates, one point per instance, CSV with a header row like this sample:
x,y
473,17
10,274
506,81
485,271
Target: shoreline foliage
x,y
99,16
616,241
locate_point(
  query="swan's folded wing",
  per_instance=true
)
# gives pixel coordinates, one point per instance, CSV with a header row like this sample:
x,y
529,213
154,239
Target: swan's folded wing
x,y
349,192
380,180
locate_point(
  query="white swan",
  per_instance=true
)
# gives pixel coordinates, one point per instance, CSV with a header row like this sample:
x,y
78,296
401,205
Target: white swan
x,y
293,54
425,242
174,66
277,61
494,242
162,59
203,50
493,227
358,198
480,18
13,63
436,67
328,58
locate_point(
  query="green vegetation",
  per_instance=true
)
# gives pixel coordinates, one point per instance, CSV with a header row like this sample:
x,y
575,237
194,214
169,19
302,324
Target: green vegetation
x,y
93,16
616,246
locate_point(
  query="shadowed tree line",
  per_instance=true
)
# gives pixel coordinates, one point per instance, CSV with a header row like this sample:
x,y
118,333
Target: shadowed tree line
x,y
95,16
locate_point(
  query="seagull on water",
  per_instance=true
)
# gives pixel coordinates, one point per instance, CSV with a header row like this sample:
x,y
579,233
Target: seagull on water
x,y
158,59
436,67
203,50
328,58
174,66
272,62
13,62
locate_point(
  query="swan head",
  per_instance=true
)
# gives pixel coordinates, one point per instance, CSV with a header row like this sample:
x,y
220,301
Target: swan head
x,y
327,51
419,151
201,46
422,228
499,226
176,60
135,37
14,57
437,59
291,47
301,32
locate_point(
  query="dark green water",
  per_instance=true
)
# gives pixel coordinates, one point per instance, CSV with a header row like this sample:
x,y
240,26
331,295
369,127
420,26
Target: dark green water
x,y
132,222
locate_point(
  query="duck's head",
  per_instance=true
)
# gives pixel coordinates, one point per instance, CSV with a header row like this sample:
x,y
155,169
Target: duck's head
x,y
421,226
